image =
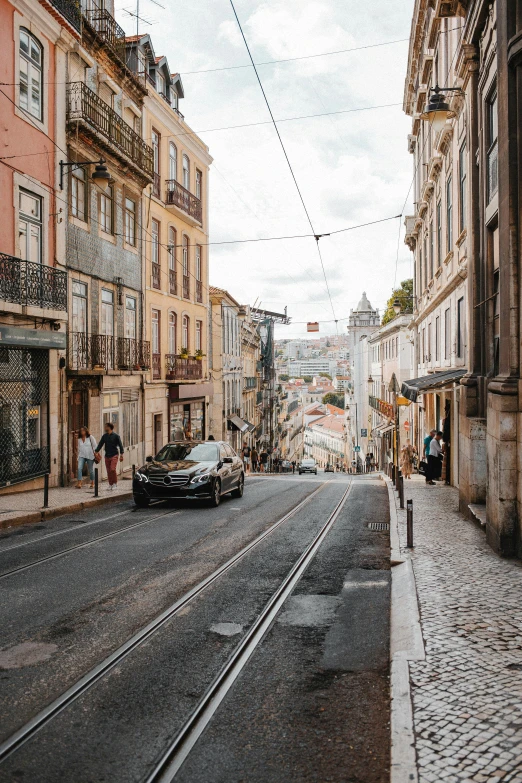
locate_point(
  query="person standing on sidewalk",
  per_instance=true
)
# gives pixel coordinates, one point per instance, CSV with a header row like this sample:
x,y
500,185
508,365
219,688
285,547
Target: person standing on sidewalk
x,y
406,462
113,445
254,457
263,459
426,454
86,446
434,459
245,453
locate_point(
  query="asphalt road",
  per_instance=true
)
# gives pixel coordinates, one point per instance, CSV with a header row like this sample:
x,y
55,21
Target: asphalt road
x,y
312,701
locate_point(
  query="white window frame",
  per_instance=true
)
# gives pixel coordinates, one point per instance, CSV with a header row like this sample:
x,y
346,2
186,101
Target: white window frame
x,y
33,68
130,221
33,223
186,171
173,161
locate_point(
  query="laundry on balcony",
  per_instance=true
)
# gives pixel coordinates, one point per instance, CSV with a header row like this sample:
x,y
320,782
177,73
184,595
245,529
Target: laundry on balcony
x,y
437,380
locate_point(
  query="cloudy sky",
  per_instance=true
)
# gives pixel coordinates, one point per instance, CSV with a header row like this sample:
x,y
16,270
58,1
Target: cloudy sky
x,y
352,168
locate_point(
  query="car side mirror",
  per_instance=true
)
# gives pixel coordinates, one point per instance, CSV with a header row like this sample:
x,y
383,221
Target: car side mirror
x,y
228,459
148,459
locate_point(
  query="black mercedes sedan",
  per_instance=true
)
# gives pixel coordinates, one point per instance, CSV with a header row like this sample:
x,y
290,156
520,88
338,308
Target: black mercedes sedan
x,y
193,470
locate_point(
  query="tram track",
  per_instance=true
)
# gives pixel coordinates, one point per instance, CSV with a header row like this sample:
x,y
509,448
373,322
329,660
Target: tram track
x,y
41,719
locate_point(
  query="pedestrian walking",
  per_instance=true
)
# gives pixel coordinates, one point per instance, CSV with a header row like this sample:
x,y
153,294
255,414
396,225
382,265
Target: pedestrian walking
x,y
86,446
263,459
293,466
245,453
435,459
406,461
426,452
113,446
254,456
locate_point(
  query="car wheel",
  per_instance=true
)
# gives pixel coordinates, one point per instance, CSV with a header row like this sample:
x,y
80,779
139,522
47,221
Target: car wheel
x,y
216,494
238,492
141,502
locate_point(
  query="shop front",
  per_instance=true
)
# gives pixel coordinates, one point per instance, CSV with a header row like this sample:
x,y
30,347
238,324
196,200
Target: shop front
x,y
188,414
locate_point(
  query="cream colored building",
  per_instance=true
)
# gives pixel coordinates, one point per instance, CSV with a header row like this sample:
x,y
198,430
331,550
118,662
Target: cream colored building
x,y
175,237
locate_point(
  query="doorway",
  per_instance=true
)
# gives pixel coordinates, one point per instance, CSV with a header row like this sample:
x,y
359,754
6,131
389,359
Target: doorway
x,y
158,432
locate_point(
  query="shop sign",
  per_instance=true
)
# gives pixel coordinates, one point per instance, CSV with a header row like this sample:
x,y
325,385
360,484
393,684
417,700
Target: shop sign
x,y
34,338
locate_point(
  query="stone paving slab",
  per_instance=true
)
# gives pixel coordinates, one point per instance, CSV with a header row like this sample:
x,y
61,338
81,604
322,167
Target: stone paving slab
x,y
467,692
21,508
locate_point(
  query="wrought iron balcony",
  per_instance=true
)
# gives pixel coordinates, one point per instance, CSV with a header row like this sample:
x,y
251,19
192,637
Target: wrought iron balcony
x,y
156,366
156,276
106,28
179,196
199,291
83,105
36,285
186,287
173,283
70,10
183,368
103,351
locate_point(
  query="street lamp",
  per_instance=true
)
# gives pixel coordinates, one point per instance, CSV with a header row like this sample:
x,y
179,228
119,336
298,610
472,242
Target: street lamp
x,y
100,176
438,111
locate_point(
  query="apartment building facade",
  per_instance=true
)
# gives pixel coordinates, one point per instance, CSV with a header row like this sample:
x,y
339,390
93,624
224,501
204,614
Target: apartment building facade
x,y
33,279
175,249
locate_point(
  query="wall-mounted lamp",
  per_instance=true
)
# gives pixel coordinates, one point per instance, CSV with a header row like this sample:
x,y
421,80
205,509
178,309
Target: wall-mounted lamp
x,y
438,111
100,176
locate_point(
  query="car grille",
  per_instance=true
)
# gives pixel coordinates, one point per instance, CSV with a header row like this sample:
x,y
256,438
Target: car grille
x,y
174,480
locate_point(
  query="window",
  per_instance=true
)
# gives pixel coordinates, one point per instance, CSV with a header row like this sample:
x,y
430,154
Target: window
x,y
172,333
130,317
186,172
129,423
155,331
173,161
130,221
106,210
449,214
30,226
78,193
424,344
30,61
447,333
494,240
461,326
198,336
185,264
111,412
185,333
437,339
160,83
492,146
428,357
107,312
155,242
199,284
156,150
173,241
79,307
439,233
199,180
462,187
432,254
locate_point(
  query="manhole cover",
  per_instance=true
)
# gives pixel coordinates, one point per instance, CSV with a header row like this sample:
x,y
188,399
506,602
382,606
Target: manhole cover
x,y
379,526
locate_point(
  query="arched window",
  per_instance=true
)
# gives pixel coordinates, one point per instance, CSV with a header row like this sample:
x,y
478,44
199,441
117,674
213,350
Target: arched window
x,y
185,333
31,65
173,161
185,265
172,333
186,172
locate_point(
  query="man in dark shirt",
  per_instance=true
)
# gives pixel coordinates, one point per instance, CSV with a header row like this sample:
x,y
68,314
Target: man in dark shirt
x,y
113,445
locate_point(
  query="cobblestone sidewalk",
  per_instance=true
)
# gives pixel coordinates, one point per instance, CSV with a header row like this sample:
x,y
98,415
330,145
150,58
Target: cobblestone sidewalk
x,y
467,693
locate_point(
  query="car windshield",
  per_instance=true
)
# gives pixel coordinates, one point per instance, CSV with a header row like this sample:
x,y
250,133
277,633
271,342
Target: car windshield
x,y
201,452
308,462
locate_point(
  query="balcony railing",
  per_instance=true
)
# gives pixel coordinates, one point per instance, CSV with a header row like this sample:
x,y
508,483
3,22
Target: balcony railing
x,y
180,197
70,10
103,351
156,276
384,408
83,104
156,366
186,287
37,285
107,28
250,382
199,291
183,368
173,283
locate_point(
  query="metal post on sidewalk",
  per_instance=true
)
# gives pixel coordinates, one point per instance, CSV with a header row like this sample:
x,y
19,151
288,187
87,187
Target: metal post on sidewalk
x,y
95,482
409,524
401,490
46,491
133,472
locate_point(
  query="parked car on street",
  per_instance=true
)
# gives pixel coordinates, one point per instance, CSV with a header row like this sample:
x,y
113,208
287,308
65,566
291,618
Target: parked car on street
x,y
286,466
329,469
192,470
308,465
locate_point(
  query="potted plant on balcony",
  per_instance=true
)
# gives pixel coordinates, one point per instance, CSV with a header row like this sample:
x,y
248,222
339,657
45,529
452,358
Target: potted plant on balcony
x,y
199,355
183,354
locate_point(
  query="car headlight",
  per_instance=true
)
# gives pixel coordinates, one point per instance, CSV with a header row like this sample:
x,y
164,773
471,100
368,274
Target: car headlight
x,y
201,479
141,476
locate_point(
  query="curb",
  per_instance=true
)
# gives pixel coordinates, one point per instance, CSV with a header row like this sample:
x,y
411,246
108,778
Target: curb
x,y
50,513
406,644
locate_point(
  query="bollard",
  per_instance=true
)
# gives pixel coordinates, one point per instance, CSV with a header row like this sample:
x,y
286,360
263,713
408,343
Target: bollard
x,y
409,523
46,491
95,482
393,473
401,490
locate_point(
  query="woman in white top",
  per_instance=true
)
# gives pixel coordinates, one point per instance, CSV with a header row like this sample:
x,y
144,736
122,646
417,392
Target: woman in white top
x,y
86,446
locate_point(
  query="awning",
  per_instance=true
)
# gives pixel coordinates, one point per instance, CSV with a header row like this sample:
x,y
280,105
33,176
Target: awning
x,y
412,389
250,427
382,429
239,424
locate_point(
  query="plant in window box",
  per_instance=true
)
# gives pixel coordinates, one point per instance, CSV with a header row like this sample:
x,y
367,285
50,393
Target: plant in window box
x,y
183,353
199,355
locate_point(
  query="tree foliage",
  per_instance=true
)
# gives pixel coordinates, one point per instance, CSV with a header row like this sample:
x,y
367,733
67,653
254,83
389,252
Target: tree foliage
x,y
325,375
307,378
334,399
405,296
284,378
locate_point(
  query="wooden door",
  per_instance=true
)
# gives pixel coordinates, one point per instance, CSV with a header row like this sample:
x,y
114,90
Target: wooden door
x,y
158,432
